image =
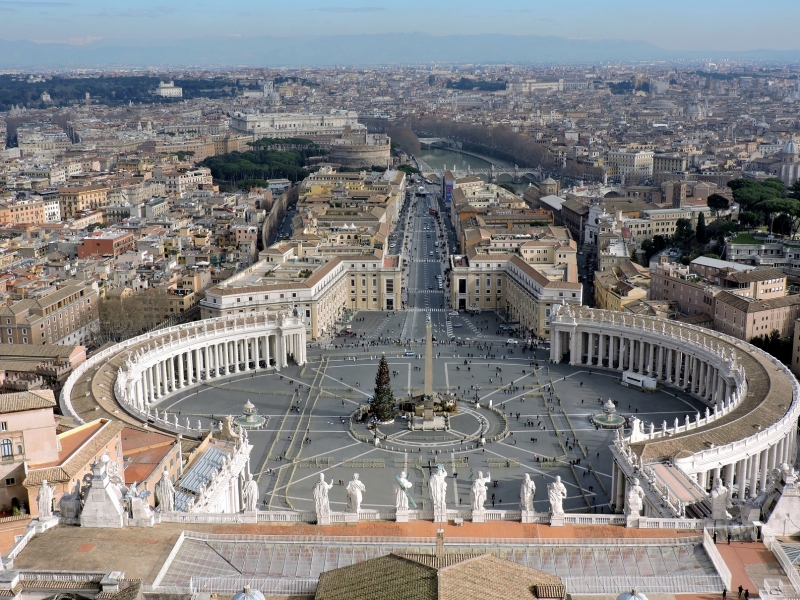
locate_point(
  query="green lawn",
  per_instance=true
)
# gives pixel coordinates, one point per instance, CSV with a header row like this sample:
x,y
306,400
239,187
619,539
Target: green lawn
x,y
745,238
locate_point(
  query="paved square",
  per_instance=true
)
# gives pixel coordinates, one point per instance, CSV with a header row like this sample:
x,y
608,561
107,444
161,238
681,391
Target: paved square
x,y
308,413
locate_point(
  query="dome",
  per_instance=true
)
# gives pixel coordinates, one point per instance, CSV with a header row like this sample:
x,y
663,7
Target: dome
x,y
248,594
549,181
632,595
791,148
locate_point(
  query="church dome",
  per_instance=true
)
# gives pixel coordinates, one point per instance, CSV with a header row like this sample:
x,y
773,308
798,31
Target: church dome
x,y
791,148
632,595
248,594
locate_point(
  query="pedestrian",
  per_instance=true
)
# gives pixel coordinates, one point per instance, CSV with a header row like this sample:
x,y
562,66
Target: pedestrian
x,y
729,538
746,594
724,593
714,537
740,591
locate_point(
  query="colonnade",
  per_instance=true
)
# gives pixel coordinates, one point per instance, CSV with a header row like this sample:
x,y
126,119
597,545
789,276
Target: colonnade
x,y
209,354
705,364
684,367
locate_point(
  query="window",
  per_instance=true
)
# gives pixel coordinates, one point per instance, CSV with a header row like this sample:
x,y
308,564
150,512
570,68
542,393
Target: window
x,y
10,481
6,449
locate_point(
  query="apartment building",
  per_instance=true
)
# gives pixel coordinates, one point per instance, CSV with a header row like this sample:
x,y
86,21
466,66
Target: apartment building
x,y
106,243
630,164
17,212
746,318
77,199
53,315
178,181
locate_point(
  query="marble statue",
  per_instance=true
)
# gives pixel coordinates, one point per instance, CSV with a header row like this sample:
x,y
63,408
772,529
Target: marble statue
x,y
400,494
633,499
719,501
321,503
556,492
45,500
478,491
437,487
526,493
354,491
165,493
250,494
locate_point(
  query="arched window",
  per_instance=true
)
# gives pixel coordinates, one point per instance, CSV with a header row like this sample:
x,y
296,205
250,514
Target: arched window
x,y
6,448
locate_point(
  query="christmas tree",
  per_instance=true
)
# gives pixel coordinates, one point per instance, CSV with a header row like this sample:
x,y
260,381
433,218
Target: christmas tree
x,y
383,403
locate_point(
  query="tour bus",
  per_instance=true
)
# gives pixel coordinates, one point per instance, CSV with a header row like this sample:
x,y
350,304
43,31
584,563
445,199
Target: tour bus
x,y
642,381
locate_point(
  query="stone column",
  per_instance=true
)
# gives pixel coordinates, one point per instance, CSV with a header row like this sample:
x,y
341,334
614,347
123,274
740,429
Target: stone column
x,y
641,357
741,477
650,359
157,380
190,366
678,365
753,475
763,461
774,457
702,477
630,354
660,363
728,478
224,349
179,382
266,350
668,371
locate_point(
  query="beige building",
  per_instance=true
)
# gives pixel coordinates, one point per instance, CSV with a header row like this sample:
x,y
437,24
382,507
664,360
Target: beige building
x,y
63,315
322,288
510,285
78,199
746,318
620,286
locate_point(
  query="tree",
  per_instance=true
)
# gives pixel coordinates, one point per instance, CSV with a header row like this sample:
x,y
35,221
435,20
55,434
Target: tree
x,y
716,202
406,138
700,233
383,402
684,232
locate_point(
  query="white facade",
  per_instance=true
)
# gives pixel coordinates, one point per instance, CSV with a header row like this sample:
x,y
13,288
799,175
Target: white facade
x,y
283,125
169,90
52,210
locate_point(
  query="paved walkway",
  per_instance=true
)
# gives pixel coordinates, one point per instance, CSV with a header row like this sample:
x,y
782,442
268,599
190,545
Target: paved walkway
x,y
750,563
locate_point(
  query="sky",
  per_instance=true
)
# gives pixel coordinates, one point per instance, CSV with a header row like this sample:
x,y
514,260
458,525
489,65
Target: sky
x,y
673,24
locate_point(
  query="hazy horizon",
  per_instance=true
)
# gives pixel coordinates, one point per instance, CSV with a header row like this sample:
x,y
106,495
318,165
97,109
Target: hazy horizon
x,y
712,26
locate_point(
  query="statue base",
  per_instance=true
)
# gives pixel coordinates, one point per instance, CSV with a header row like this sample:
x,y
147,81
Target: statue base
x,y
440,516
350,517
528,516
557,520
478,516
323,519
401,516
632,521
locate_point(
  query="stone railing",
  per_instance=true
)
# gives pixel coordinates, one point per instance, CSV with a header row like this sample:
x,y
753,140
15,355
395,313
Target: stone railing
x,y
683,524
774,546
584,519
716,559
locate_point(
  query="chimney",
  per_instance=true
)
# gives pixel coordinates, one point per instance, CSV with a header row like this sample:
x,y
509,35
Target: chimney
x,y
439,543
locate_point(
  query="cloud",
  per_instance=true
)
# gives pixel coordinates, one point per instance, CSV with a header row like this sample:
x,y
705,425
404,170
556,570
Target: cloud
x,y
349,9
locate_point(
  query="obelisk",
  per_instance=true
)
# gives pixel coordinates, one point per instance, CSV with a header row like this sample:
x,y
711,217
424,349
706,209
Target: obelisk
x,y
427,414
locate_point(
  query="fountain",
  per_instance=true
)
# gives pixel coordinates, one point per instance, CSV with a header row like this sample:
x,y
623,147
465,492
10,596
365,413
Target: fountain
x,y
249,418
608,419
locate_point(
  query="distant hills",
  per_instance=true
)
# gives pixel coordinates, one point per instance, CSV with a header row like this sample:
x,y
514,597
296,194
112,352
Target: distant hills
x,y
226,51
